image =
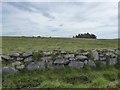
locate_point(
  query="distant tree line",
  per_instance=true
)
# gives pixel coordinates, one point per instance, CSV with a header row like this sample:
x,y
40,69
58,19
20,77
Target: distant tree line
x,y
85,35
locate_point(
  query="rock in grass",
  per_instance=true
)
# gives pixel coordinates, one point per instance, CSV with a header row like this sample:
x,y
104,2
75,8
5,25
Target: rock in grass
x,y
28,59
6,57
20,67
8,70
69,56
85,62
76,64
95,55
47,53
112,61
16,63
81,57
19,59
27,54
36,65
15,55
72,59
61,61
117,52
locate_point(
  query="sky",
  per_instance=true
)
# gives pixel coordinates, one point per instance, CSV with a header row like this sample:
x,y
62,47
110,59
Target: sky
x,y
60,19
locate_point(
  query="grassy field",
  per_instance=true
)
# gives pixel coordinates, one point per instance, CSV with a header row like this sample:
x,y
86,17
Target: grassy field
x,y
68,78
21,44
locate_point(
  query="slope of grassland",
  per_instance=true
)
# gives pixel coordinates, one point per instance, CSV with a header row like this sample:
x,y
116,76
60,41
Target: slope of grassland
x,y
21,44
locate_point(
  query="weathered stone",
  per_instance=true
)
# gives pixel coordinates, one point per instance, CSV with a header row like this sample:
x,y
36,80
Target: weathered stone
x,y
80,57
85,53
47,53
85,62
19,59
112,61
111,54
15,55
6,57
91,63
95,54
69,56
61,61
36,65
20,67
16,63
72,59
27,54
102,58
63,52
101,55
8,70
76,64
117,52
28,59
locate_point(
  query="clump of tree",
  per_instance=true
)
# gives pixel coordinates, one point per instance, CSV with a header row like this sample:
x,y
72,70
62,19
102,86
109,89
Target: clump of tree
x,y
85,35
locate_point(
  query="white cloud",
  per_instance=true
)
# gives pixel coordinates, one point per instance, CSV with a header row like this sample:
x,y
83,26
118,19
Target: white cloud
x,y
60,19
60,0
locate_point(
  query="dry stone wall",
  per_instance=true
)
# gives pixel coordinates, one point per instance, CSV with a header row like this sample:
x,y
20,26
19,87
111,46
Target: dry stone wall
x,y
59,60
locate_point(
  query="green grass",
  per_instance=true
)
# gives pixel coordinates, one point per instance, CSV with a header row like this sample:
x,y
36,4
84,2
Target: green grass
x,y
68,78
22,44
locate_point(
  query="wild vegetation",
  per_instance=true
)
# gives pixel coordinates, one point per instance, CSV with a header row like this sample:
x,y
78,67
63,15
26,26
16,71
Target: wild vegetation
x,y
85,35
68,78
103,77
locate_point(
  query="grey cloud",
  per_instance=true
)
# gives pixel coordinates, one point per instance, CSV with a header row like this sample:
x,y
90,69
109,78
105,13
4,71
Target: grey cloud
x,y
25,6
